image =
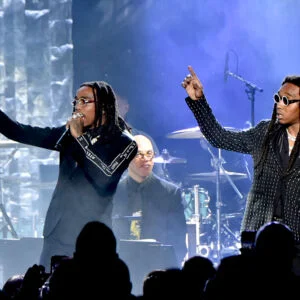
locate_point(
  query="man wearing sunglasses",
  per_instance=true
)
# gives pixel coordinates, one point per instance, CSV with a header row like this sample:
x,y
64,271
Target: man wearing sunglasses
x,y
274,146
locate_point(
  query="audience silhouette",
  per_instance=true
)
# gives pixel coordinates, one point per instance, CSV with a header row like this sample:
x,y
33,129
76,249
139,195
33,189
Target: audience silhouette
x,y
95,271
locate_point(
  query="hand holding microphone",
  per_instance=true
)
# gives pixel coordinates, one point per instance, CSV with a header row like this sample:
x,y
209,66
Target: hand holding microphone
x,y
75,124
74,127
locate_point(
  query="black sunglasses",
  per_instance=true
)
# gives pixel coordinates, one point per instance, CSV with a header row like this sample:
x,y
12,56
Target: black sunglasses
x,y
284,99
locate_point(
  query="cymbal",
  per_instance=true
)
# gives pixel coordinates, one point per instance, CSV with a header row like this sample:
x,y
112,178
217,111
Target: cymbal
x,y
189,133
211,176
169,160
166,158
232,215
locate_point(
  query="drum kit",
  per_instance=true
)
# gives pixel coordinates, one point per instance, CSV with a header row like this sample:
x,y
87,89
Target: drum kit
x,y
212,232
197,200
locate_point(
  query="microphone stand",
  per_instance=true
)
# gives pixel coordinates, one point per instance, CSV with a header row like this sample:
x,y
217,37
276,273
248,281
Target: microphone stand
x,y
251,89
217,163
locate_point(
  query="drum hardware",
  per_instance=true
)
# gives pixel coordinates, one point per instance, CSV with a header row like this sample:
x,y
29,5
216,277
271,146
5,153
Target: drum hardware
x,y
204,250
196,217
220,173
231,215
198,214
227,231
165,158
217,162
188,195
211,176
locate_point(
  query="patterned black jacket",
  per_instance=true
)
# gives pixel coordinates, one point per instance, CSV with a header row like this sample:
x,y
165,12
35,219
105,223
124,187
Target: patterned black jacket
x,y
88,177
270,178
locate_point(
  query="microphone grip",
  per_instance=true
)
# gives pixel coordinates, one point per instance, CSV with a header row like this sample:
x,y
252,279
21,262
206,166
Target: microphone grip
x,y
58,144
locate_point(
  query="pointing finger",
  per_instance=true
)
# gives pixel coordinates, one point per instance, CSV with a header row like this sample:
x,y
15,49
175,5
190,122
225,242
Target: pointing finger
x,y
192,71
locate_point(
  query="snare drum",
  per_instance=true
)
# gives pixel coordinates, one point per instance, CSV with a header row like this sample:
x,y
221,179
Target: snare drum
x,y
188,195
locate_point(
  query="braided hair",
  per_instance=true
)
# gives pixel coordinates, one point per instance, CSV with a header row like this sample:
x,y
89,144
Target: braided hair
x,y
105,102
294,79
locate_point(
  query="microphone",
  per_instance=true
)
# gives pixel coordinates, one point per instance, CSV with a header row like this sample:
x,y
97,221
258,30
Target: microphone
x,y
58,144
226,67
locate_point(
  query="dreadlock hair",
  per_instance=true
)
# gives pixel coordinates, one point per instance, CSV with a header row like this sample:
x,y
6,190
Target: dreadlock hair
x,y
294,79
105,101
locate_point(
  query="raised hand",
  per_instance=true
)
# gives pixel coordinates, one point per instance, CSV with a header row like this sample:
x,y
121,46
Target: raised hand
x,y
192,85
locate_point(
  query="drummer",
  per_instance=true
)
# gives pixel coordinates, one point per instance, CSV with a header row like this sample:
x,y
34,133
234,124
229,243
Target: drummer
x,y
147,206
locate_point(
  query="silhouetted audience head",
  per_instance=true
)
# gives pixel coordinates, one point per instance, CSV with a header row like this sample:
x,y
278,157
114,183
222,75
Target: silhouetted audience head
x,y
95,271
13,285
275,242
197,270
152,284
100,271
95,241
275,251
164,284
4,296
64,282
234,279
121,280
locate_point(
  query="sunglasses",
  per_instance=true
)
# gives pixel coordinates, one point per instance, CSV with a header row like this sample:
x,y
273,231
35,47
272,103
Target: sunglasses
x,y
284,99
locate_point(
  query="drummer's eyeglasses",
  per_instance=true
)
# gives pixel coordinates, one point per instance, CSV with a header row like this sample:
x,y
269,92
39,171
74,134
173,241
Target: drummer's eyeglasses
x,y
149,154
284,99
81,101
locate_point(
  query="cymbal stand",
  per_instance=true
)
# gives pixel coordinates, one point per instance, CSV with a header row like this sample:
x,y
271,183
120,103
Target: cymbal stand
x,y
196,218
217,163
8,226
165,155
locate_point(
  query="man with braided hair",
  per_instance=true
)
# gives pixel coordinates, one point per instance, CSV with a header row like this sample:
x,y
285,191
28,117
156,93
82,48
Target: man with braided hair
x,y
274,147
95,148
